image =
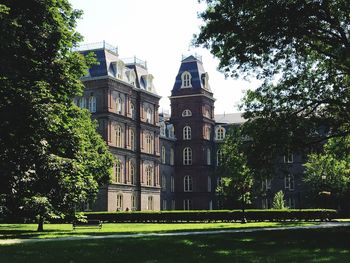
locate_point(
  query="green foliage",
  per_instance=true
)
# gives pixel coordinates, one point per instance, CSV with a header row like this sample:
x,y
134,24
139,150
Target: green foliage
x,y
300,50
236,176
327,174
213,215
49,149
278,201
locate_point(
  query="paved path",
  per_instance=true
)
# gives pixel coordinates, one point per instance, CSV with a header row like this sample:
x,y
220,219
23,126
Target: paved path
x,y
185,233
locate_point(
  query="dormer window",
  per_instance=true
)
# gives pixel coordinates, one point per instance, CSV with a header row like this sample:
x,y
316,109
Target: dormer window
x,y
162,129
149,84
120,69
186,113
205,78
186,80
220,133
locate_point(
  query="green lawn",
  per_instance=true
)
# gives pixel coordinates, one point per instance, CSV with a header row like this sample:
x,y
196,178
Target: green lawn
x,y
316,245
8,231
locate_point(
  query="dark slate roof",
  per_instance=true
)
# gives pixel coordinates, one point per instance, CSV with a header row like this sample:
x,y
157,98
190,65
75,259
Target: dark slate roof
x,y
195,67
230,118
100,69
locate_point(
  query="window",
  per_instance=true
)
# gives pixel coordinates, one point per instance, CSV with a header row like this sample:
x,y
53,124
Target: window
x,y
132,173
186,80
133,202
92,104
164,205
163,155
118,105
171,131
187,156
149,115
82,102
119,136
186,113
172,184
150,203
209,184
288,157
208,157
207,132
266,184
188,183
218,157
163,182
132,140
149,143
149,175
219,181
171,156
265,203
187,133
289,182
172,204
162,129
119,202
291,202
118,172
220,133
187,204
132,111
210,205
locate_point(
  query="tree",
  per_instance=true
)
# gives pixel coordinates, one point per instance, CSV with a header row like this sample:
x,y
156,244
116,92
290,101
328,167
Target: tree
x,y
51,157
278,201
327,174
235,174
300,50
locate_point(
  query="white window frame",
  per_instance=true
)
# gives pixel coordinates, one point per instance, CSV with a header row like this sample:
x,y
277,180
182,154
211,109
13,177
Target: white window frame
x,y
132,173
288,157
186,113
186,78
119,205
188,183
162,129
220,133
132,140
92,104
218,157
119,136
187,133
187,204
187,156
118,172
163,155
149,115
289,182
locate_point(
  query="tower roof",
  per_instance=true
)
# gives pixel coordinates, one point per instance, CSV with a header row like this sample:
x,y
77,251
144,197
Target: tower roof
x,y
199,78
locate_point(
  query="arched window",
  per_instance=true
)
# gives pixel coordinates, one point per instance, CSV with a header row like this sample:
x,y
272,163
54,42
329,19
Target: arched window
x,y
133,202
187,133
149,143
92,104
132,173
220,133
149,115
82,103
118,172
132,111
119,202
188,183
171,131
208,157
162,129
149,175
187,156
118,105
119,136
163,182
186,79
218,157
132,140
163,155
186,113
172,156
150,203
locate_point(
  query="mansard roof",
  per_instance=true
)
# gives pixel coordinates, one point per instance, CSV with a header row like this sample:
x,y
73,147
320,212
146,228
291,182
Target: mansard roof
x,y
230,118
193,65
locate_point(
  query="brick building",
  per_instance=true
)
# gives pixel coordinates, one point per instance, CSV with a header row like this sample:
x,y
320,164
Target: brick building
x,y
166,162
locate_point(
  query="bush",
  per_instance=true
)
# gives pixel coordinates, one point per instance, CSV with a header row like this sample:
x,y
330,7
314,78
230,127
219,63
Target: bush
x,y
213,216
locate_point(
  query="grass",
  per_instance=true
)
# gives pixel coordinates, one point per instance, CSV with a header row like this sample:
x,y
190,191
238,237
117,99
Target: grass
x,y
10,231
313,245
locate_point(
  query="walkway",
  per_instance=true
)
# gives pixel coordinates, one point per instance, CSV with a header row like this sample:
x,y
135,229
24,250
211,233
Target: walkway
x,y
186,233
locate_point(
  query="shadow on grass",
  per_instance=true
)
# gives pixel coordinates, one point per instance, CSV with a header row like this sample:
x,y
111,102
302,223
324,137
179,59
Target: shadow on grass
x,y
317,245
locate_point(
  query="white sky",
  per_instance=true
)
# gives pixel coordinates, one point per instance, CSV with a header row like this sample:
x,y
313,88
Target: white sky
x,y
159,32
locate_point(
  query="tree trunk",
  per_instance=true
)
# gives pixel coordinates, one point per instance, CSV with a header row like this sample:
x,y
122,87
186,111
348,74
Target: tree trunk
x,y
41,224
244,220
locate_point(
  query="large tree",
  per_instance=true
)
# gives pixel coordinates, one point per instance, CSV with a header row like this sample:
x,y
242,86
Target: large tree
x,y
300,50
236,177
51,157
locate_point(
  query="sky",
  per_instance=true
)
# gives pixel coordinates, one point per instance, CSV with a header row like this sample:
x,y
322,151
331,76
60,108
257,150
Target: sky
x,y
159,32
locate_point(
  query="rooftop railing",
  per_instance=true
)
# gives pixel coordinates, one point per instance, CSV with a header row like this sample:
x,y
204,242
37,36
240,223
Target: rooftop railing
x,y
97,45
135,61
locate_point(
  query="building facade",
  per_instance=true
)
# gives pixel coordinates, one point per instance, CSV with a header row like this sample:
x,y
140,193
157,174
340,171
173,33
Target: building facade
x,y
167,162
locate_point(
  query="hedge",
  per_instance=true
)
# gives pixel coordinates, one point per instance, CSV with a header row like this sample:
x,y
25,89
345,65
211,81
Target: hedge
x,y
213,216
